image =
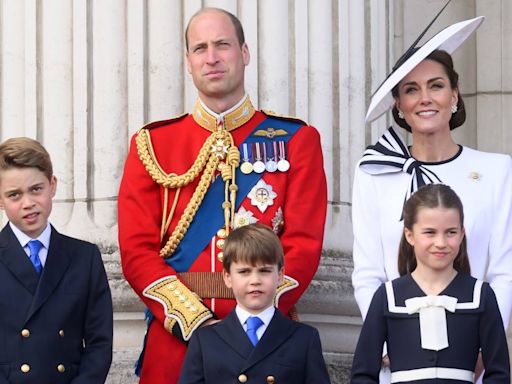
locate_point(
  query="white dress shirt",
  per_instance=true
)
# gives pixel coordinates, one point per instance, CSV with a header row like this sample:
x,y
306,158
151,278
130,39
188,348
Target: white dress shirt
x,y
265,316
44,238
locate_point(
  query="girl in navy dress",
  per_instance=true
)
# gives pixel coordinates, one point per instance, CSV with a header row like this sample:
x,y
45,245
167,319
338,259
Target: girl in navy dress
x,y
435,318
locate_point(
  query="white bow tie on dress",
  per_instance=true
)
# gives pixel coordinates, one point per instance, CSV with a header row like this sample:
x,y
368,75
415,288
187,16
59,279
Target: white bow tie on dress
x,y
432,310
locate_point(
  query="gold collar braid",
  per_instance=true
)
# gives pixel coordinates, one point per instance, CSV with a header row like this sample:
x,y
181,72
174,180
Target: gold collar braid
x,y
233,118
217,153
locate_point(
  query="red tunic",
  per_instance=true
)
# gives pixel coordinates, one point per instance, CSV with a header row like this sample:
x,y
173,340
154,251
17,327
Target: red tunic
x,y
301,194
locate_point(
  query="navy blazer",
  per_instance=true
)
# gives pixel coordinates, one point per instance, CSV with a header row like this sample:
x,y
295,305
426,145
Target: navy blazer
x,y
288,353
56,328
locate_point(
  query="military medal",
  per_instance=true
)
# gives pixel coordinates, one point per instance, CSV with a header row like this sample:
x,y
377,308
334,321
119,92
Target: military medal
x,y
271,163
246,166
259,165
283,165
271,166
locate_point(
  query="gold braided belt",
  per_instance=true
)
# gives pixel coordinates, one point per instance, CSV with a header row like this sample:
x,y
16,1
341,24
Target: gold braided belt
x,y
207,284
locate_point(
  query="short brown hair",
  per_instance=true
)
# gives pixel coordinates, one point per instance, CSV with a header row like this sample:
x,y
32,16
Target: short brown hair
x,y
239,30
253,244
430,196
445,59
23,152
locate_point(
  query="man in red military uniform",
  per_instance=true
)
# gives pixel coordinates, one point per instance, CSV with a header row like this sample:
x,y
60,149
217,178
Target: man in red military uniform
x,y
190,180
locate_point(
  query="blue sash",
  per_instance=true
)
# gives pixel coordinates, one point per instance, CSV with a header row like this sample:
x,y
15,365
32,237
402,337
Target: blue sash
x,y
209,217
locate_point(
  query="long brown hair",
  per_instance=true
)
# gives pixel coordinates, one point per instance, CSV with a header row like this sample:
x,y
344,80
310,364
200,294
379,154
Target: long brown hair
x,y
430,196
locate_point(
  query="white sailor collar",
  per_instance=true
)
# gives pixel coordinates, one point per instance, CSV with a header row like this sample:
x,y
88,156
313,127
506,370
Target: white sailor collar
x,y
396,305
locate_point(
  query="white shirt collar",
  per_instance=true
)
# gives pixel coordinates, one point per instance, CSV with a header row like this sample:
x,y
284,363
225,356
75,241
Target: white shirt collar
x,y
265,315
44,237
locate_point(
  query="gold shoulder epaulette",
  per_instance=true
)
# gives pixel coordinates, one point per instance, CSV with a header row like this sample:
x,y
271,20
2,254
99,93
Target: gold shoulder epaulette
x,y
268,113
156,124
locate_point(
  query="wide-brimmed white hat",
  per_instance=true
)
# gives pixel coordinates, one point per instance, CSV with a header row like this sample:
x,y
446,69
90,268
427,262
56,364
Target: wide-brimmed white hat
x,y
449,39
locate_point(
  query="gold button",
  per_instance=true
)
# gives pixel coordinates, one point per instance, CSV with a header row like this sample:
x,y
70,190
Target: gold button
x,y
220,256
61,333
182,298
271,379
25,333
193,309
220,243
221,233
187,304
172,287
61,368
25,368
242,378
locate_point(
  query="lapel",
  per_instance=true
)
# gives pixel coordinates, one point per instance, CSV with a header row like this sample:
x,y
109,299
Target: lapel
x,y
16,260
278,331
57,262
231,331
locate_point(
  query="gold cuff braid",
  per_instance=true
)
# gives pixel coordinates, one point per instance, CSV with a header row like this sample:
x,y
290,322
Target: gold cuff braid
x,y
185,308
288,284
181,305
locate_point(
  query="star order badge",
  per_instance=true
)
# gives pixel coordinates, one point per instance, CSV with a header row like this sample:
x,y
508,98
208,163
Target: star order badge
x,y
262,195
243,217
220,148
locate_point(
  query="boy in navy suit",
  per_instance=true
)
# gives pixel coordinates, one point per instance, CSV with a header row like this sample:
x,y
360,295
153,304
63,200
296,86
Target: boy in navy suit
x,y
56,322
255,343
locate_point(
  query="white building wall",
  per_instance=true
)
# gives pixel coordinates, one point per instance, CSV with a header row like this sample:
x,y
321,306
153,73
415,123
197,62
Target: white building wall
x,y
82,76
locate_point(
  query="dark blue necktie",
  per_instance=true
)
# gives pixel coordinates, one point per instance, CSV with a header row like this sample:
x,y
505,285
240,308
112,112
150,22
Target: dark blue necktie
x,y
253,323
35,247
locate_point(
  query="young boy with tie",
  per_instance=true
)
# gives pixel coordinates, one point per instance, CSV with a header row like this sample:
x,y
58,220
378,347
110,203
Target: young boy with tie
x,y
255,343
56,323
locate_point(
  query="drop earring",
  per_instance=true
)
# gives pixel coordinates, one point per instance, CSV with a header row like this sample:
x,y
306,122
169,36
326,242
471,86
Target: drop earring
x,y
401,114
454,108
